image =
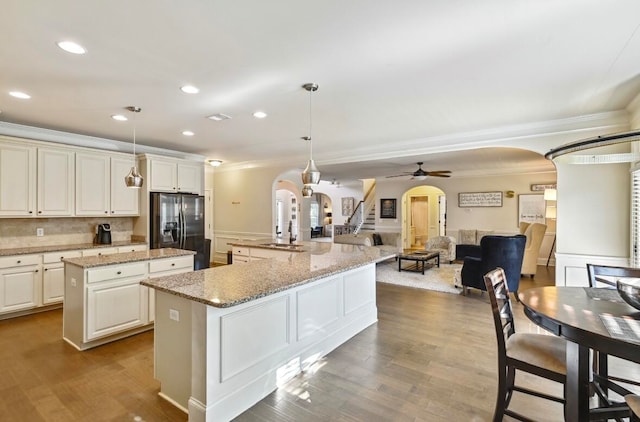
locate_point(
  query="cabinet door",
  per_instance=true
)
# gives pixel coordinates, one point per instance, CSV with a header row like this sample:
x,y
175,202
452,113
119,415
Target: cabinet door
x,y
114,307
190,178
53,284
19,288
92,184
17,181
56,189
164,175
124,200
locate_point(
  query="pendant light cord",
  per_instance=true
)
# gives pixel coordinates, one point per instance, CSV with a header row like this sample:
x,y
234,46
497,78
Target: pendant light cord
x,y
310,126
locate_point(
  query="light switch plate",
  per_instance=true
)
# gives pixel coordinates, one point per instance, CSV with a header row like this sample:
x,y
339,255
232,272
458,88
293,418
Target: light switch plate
x,y
39,232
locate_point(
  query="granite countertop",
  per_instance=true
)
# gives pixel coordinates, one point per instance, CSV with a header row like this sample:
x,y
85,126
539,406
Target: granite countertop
x,y
56,248
232,285
277,244
126,257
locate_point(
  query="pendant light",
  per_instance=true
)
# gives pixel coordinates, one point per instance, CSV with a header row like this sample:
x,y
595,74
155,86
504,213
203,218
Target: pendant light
x,y
134,179
311,174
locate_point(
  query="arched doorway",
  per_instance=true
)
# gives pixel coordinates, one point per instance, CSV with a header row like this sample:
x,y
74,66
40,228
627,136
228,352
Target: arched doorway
x,y
424,215
287,211
320,217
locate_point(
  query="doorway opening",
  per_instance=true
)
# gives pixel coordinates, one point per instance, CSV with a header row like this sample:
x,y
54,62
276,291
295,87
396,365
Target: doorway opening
x,y
321,217
424,215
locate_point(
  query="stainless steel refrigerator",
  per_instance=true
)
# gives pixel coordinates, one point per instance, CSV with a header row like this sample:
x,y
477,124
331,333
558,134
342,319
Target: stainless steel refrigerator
x,y
177,221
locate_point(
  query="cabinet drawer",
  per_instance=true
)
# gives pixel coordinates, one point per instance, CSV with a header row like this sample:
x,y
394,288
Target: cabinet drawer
x,y
237,250
117,272
132,248
53,257
19,261
158,265
99,251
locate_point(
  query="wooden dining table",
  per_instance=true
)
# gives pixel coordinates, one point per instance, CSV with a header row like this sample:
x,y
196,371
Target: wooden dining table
x,y
579,315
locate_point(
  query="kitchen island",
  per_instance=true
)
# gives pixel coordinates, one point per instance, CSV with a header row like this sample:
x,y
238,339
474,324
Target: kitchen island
x,y
104,300
225,337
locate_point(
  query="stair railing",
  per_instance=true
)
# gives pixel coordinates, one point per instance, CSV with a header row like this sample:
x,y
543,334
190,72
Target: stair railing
x,y
363,209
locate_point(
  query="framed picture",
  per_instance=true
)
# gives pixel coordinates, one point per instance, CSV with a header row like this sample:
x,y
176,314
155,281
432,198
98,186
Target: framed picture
x,y
531,208
542,187
479,199
388,208
347,206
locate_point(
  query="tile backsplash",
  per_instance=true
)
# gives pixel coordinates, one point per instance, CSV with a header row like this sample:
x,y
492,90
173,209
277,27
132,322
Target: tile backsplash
x,y
21,232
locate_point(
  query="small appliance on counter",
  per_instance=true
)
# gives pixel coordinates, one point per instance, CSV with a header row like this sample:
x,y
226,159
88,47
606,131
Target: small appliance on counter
x,y
103,234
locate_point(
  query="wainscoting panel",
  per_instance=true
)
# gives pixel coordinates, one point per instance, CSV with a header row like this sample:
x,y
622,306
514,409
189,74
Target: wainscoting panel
x,y
571,270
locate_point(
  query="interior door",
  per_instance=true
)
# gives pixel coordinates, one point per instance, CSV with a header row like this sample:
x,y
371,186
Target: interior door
x,y
442,215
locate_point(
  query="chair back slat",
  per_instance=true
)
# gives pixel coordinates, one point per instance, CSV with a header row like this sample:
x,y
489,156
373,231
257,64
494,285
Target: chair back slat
x,y
606,276
496,284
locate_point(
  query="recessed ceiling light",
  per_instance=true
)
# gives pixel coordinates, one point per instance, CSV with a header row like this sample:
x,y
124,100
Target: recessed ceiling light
x,y
71,47
19,94
189,89
219,116
119,117
187,133
215,163
259,114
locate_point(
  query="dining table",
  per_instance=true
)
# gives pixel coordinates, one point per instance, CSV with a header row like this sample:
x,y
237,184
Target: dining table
x,y
589,318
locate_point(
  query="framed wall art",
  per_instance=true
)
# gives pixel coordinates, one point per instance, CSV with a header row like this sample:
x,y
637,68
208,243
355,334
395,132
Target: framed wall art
x,y
479,199
388,208
542,187
531,208
347,206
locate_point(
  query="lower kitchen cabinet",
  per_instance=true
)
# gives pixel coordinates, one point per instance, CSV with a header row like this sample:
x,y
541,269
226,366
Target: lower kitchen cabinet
x,y
53,276
20,279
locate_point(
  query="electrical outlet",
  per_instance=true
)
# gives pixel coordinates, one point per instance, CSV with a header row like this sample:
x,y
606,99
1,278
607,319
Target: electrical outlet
x,y
73,282
174,314
39,232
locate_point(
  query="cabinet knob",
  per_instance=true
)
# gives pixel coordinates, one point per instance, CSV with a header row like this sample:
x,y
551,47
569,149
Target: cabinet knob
x,y
39,212
173,264
113,212
61,258
30,212
119,272
36,271
106,212
46,269
19,262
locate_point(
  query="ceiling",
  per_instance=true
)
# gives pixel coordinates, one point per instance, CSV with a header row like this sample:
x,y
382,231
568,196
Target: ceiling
x,y
395,77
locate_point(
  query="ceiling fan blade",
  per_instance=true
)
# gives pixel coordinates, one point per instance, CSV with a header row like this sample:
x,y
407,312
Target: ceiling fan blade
x,y
399,175
438,175
439,171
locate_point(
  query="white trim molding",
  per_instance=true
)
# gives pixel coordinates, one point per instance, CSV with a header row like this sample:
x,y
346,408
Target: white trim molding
x,y
571,270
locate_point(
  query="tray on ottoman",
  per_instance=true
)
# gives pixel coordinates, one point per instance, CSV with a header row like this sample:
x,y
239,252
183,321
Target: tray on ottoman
x,y
420,258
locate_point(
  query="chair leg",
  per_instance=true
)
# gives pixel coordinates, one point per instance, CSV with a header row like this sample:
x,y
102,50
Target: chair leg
x,y
511,379
501,403
515,294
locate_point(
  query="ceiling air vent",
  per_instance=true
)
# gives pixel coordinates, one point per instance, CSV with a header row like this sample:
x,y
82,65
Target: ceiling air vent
x,y
218,117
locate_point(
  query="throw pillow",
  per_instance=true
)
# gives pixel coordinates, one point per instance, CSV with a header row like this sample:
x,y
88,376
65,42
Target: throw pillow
x,y
377,240
466,237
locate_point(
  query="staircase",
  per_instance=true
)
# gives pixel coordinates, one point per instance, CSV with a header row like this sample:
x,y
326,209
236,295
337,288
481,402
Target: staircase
x,y
364,216
369,223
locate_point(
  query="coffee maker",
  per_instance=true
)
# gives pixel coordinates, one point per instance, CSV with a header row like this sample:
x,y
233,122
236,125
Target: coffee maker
x,y
103,234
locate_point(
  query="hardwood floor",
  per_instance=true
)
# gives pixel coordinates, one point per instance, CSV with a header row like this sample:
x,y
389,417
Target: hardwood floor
x,y
430,357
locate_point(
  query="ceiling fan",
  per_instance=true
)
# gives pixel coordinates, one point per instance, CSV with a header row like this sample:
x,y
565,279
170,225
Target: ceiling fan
x,y
421,174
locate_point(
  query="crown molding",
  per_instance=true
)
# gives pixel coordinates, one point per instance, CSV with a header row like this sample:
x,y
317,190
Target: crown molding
x,y
68,138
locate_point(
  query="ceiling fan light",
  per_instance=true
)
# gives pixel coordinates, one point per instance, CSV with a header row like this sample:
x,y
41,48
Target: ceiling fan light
x,y
420,177
307,191
311,174
133,179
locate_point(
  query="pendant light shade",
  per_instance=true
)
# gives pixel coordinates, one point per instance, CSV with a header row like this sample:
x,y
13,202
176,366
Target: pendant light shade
x,y
311,174
307,191
134,179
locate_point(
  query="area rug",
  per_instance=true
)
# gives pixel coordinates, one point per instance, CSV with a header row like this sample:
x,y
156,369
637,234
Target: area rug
x,y
438,279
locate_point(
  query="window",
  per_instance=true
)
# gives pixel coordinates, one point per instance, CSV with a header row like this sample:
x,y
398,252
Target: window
x,y
315,212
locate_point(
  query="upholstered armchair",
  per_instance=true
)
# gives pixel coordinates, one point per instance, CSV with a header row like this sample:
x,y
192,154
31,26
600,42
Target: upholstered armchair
x,y
445,245
495,251
535,235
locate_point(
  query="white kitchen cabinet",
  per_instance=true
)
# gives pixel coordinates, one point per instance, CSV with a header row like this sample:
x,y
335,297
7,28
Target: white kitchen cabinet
x,y
20,279
243,254
53,275
113,307
56,175
17,180
240,255
124,200
175,176
92,184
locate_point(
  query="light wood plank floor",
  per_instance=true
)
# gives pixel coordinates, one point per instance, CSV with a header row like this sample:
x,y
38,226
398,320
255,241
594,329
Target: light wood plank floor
x,y
430,357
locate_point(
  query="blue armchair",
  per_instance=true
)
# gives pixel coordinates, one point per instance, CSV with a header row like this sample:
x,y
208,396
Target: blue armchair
x,y
506,252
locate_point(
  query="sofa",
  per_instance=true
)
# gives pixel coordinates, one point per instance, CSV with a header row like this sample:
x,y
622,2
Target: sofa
x,y
468,242
445,245
535,235
388,241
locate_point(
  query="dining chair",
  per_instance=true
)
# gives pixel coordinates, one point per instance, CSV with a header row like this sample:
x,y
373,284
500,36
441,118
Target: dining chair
x,y
537,354
604,276
633,401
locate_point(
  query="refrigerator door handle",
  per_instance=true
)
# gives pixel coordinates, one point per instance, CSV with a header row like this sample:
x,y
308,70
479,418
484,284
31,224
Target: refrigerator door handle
x,y
182,229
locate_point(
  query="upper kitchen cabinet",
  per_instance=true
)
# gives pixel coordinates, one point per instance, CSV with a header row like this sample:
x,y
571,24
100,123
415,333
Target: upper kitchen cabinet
x,y
124,200
92,184
173,175
100,187
55,182
17,180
